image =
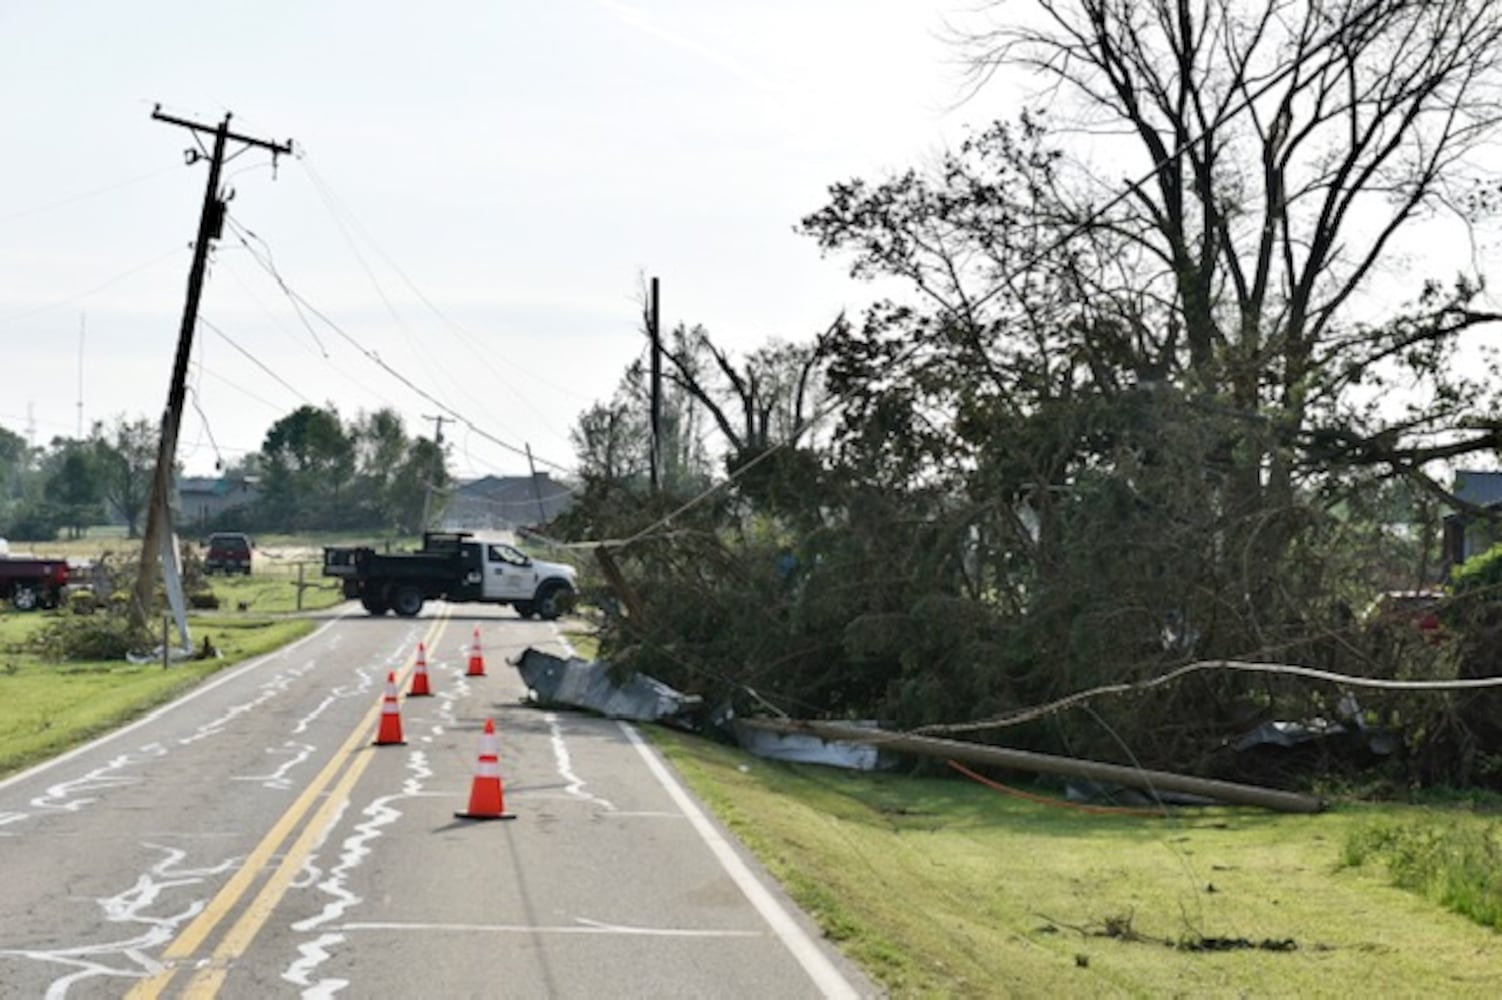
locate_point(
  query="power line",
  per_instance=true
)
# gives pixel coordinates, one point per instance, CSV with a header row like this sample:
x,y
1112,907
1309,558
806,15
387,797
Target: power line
x,y
68,300
332,203
86,195
1284,669
371,355
255,361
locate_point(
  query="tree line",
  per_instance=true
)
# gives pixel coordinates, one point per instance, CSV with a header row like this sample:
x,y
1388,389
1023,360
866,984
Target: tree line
x,y
315,471
1109,426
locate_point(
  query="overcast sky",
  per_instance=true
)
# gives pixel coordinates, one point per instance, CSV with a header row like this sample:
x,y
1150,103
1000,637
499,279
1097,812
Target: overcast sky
x,y
479,188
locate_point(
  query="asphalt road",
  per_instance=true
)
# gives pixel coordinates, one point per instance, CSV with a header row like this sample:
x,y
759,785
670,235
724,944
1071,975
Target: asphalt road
x,y
249,840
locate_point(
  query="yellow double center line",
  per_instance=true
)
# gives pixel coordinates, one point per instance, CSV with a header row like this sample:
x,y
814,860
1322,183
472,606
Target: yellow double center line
x,y
210,977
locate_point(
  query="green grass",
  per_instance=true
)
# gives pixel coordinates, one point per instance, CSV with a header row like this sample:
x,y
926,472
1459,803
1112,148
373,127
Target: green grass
x,y
46,708
1453,860
943,888
584,642
271,588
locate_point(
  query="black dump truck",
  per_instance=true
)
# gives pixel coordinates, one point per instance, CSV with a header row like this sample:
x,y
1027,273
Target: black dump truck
x,y
452,566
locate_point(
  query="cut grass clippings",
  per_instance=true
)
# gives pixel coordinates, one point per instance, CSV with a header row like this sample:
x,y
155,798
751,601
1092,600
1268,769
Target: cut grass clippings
x,y
940,887
46,708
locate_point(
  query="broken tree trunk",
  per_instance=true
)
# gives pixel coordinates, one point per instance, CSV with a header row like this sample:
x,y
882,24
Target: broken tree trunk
x,y
1042,763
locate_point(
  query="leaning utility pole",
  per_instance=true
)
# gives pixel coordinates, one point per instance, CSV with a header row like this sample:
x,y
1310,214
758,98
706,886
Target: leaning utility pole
x,y
210,227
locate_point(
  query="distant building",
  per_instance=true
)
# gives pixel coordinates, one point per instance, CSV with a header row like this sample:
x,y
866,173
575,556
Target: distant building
x,y
499,503
201,500
1468,534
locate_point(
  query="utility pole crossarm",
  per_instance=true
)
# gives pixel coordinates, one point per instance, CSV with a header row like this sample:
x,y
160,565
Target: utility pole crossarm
x,y
267,144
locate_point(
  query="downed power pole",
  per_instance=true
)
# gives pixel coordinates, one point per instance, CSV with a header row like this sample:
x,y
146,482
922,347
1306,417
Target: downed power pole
x,y
1042,763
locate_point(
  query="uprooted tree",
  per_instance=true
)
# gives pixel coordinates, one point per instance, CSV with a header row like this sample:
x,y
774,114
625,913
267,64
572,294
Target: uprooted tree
x,y
1117,425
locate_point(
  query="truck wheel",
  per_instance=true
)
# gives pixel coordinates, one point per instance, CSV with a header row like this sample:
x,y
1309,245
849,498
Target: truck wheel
x,y
24,597
526,609
374,606
552,601
407,601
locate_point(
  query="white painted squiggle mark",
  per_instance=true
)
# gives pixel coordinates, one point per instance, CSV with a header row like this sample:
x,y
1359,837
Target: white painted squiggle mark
x,y
128,959
565,765
380,814
311,717
63,796
278,779
276,685
314,953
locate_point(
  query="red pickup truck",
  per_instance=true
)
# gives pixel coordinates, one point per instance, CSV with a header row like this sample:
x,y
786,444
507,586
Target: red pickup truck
x,y
32,583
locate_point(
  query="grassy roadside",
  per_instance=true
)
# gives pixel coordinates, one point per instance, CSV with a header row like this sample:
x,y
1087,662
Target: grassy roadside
x,y
943,888
46,708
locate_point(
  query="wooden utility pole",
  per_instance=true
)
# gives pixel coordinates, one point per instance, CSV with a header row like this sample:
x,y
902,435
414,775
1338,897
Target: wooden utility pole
x,y
210,226
1042,763
542,510
654,321
427,497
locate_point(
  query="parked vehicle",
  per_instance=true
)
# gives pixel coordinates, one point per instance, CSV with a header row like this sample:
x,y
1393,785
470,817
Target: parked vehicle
x,y
1418,609
30,583
228,552
452,566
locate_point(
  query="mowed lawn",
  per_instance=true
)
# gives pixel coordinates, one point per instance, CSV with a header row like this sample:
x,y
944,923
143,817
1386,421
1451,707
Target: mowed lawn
x,y
941,887
47,707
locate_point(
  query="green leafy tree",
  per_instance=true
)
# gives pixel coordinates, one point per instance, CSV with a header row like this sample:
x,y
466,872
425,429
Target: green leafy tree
x,y
126,456
1290,149
74,485
309,462
418,487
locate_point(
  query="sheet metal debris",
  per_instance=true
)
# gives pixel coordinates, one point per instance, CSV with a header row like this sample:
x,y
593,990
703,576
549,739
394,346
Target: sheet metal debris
x,y
806,748
587,684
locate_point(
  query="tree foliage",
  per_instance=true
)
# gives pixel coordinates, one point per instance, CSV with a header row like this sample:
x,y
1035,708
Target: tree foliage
x,y
126,457
319,472
1108,428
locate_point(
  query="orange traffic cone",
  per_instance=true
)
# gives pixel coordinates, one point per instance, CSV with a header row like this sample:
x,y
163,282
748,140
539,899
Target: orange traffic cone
x,y
487,800
391,716
476,658
420,675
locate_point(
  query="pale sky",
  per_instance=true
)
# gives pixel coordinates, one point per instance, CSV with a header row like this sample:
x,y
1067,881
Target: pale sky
x,y
516,167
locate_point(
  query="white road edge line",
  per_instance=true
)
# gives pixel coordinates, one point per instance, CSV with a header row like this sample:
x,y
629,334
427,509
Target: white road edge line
x,y
820,969
145,720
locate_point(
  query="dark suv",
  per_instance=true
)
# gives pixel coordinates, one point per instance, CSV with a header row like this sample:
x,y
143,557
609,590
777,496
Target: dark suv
x,y
228,552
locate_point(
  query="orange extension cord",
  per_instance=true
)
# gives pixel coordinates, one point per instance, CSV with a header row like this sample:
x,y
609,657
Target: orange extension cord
x,y
1057,803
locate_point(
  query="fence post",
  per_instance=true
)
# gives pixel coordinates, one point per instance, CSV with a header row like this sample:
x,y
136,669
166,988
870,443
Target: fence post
x,y
300,567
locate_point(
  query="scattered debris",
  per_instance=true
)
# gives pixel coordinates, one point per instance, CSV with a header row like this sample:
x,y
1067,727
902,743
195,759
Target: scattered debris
x,y
588,684
1119,927
1237,944
806,748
